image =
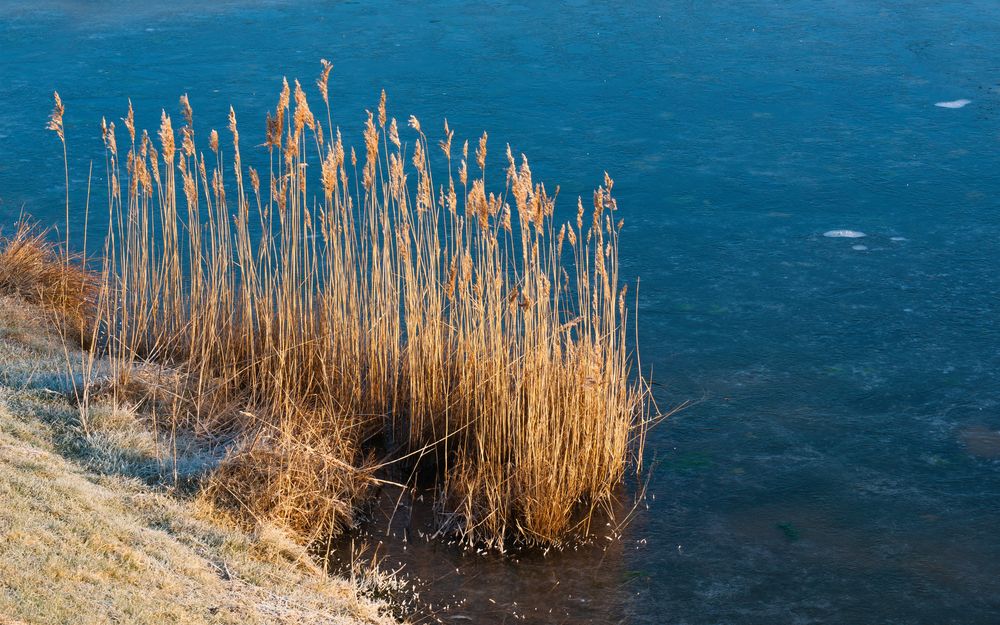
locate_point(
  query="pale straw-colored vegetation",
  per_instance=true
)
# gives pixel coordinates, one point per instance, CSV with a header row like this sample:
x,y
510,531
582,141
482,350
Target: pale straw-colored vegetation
x,y
343,310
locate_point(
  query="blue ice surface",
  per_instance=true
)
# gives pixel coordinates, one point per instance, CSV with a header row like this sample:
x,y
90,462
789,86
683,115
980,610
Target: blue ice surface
x,y
835,387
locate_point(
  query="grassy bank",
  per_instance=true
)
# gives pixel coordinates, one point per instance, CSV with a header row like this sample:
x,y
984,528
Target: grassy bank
x,y
90,532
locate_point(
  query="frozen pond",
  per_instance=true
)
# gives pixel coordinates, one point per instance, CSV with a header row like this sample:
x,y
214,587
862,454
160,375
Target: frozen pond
x,y
811,194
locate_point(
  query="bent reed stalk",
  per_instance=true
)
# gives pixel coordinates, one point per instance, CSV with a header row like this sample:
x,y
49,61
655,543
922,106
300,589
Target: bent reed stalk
x,y
452,323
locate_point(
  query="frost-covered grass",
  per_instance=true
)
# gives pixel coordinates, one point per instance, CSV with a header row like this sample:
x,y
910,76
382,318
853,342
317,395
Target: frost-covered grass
x,y
89,533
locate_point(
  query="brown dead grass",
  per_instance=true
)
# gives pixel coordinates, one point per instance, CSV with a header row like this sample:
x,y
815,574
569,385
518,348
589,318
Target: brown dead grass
x,y
32,267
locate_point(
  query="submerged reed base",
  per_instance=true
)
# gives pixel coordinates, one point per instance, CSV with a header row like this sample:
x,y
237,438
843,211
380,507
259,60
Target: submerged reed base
x,y
322,326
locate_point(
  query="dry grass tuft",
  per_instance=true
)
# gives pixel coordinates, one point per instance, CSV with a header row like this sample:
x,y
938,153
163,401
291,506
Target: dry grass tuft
x,y
31,267
296,480
457,323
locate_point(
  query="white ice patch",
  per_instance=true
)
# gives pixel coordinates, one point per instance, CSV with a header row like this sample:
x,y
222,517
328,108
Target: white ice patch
x,y
953,104
859,248
898,239
843,234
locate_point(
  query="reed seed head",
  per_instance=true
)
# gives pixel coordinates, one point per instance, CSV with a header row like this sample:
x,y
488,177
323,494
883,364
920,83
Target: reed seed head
x,y
186,110
394,133
255,181
303,115
167,138
324,80
108,134
481,152
56,118
129,120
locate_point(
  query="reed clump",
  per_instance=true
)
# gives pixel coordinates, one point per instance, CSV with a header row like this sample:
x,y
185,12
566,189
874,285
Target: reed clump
x,y
344,303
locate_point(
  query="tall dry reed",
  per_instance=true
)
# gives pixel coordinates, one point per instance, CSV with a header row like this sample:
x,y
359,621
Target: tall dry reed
x,y
307,316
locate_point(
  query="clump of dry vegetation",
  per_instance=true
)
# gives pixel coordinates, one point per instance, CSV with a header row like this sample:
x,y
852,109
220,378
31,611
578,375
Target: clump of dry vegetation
x,y
311,320
32,268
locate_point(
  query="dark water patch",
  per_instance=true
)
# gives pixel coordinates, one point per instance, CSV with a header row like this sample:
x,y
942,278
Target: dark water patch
x,y
981,441
455,583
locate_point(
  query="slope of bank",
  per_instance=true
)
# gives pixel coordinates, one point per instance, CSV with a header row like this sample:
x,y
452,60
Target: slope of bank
x,y
87,536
